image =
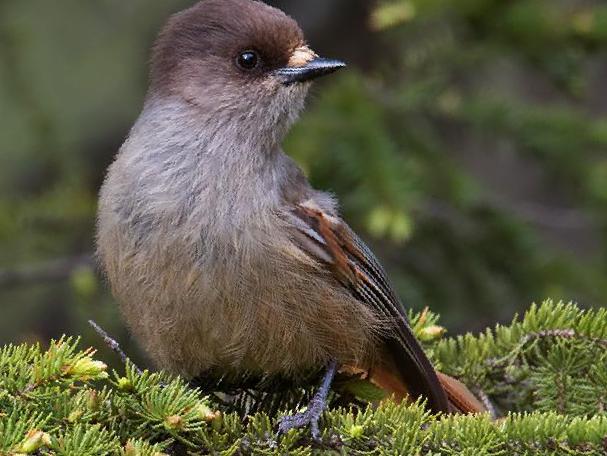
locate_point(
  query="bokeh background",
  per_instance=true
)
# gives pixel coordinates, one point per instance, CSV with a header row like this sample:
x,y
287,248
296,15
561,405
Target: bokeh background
x,y
467,142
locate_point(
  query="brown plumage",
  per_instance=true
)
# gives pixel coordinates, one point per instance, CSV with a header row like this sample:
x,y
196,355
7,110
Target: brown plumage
x,y
215,29
221,254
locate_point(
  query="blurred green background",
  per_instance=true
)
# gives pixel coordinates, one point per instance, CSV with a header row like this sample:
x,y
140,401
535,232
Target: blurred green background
x,y
467,142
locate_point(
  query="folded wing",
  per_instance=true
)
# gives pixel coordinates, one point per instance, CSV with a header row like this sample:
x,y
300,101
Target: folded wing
x,y
334,244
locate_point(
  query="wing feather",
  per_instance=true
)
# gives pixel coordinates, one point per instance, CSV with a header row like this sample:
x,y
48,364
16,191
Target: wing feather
x,y
333,243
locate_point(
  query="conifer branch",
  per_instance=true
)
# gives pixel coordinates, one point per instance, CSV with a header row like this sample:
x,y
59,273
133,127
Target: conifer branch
x,y
557,376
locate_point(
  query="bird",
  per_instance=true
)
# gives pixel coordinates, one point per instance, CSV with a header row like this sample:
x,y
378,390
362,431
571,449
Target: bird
x,y
221,254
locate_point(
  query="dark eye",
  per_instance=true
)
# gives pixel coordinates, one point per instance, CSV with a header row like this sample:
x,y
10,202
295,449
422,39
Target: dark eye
x,y
248,60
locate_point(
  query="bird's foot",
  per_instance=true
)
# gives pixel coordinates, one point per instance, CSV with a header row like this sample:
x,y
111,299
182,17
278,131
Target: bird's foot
x,y
310,418
316,407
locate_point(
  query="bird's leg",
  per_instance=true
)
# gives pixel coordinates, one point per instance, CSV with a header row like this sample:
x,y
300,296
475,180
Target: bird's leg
x,y
315,408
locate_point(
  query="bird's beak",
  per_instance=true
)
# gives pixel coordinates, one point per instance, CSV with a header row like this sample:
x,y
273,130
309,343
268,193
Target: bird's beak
x,y
305,65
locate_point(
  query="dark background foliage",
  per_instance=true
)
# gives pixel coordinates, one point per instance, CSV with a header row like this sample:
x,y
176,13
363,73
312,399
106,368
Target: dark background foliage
x,y
467,142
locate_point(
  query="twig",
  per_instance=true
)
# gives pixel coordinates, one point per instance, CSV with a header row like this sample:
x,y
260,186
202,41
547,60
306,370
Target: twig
x,y
114,346
486,401
536,214
52,271
528,338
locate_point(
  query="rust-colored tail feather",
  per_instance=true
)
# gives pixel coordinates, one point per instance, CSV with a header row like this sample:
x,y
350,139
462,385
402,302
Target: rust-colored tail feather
x,y
461,399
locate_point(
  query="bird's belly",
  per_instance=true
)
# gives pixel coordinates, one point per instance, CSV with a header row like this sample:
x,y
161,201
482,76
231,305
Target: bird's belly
x,y
266,316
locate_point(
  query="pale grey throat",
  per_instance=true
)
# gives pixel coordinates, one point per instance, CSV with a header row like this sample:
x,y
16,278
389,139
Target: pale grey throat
x,y
180,165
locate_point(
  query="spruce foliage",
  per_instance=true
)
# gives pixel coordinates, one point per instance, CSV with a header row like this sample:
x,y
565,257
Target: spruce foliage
x,y
546,374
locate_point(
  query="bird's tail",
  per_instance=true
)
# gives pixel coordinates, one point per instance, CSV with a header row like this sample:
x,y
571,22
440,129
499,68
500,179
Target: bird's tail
x,y
404,357
460,399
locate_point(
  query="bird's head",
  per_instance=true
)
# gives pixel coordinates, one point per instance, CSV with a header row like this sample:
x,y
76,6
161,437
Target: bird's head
x,y
237,60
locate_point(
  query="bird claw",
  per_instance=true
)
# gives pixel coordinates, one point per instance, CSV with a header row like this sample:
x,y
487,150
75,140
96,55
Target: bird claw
x,y
310,418
312,415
